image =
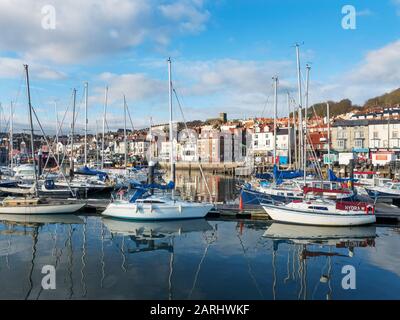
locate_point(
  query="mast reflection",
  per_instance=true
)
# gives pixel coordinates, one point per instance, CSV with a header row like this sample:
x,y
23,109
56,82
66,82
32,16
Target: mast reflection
x,y
302,241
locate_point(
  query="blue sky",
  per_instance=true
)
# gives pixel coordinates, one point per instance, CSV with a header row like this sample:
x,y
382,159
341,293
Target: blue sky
x,y
224,55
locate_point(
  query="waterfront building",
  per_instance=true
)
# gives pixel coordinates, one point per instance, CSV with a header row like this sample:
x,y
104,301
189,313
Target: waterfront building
x,y
263,142
351,136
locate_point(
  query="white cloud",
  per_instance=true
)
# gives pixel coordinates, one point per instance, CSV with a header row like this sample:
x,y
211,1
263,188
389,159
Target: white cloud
x,y
232,76
86,29
13,68
135,86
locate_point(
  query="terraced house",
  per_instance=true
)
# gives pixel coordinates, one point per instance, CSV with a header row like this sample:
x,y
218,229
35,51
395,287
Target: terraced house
x,y
350,136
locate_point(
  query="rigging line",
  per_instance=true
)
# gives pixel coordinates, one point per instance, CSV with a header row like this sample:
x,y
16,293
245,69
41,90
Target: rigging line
x,y
250,270
51,151
64,116
288,268
19,89
35,241
265,106
187,131
198,271
129,115
319,280
84,290
171,266
70,265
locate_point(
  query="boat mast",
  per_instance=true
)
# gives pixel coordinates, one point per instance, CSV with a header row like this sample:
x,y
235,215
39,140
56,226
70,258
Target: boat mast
x,y
300,103
295,137
289,132
71,164
275,112
28,91
305,120
171,147
97,144
329,134
125,138
11,136
104,126
86,119
57,128
151,139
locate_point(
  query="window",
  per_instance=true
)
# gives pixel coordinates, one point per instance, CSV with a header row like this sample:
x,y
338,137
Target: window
x,y
376,143
318,208
385,143
359,135
359,144
376,135
342,134
394,134
342,144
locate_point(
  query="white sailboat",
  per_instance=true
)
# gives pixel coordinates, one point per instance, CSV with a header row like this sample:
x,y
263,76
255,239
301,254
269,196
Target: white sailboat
x,y
322,212
31,203
154,207
318,211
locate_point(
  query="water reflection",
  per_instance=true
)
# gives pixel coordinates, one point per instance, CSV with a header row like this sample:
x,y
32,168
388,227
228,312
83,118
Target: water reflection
x,y
103,258
302,239
158,235
210,188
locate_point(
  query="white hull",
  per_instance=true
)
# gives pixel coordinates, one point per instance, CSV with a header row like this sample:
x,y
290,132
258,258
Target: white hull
x,y
154,211
279,213
41,219
304,233
151,229
43,209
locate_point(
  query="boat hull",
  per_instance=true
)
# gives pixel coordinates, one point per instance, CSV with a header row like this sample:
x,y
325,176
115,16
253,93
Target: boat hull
x,y
382,195
42,209
133,211
278,213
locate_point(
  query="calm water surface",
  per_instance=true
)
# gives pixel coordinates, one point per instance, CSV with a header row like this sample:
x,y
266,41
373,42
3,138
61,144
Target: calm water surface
x,y
98,258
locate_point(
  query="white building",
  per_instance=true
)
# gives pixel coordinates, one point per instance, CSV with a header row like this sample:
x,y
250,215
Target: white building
x,y
384,134
263,141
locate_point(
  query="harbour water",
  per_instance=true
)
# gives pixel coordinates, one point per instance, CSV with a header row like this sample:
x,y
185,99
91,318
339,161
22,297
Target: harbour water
x,y
98,258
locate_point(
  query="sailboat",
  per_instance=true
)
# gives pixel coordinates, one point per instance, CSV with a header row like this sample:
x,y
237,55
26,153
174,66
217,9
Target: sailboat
x,y
155,207
317,210
32,203
288,185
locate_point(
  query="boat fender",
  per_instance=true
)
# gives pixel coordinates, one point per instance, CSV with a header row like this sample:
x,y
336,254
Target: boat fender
x,y
180,209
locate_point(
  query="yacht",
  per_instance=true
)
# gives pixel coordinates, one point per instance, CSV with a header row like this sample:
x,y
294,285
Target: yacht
x,y
322,212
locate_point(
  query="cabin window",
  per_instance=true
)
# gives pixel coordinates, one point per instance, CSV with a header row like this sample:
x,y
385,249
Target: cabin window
x,y
318,185
152,201
318,208
290,194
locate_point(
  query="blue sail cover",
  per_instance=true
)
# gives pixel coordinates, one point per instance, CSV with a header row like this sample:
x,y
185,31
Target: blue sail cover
x,y
333,177
287,174
138,194
264,176
141,190
91,172
138,185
